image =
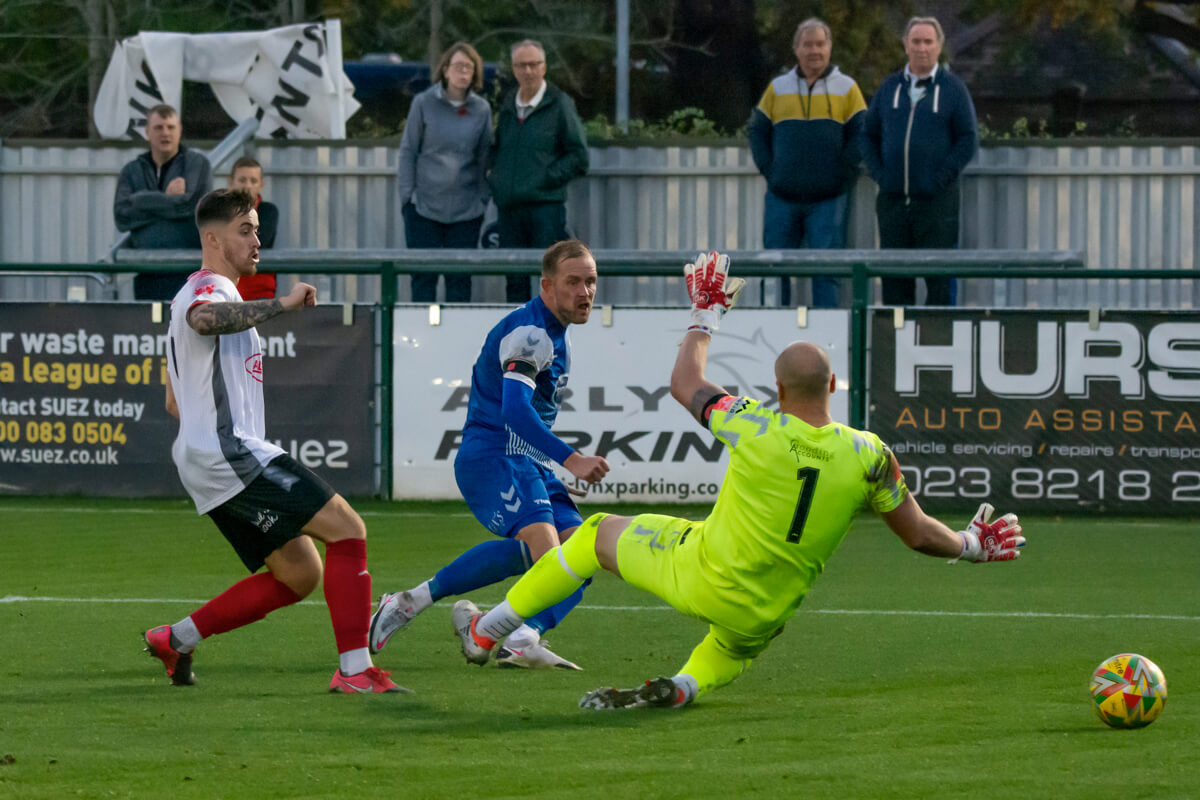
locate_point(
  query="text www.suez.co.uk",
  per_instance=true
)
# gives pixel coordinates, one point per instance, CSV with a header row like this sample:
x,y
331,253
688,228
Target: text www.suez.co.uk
x,y
104,456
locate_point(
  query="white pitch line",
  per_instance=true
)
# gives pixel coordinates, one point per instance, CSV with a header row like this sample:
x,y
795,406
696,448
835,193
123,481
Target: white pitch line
x,y
455,514
887,612
192,512
416,514
864,612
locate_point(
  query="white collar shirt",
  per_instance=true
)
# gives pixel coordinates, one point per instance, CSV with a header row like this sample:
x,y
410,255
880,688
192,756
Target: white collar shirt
x,y
908,73
523,109
915,92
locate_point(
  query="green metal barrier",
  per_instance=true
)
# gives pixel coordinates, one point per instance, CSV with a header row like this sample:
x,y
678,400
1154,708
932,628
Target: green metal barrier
x,y
858,265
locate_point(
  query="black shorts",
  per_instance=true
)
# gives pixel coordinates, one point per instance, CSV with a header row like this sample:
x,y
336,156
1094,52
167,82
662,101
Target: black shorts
x,y
272,510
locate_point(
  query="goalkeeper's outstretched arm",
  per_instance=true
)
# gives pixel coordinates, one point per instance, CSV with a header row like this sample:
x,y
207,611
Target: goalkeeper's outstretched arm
x,y
712,293
921,532
983,540
688,385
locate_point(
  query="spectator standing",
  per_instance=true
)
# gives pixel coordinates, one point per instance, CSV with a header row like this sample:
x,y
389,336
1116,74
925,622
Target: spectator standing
x,y
443,154
247,176
539,147
918,136
804,139
156,198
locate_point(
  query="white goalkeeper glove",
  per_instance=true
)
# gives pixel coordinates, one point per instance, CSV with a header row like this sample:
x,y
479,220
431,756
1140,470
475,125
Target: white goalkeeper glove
x,y
711,290
991,541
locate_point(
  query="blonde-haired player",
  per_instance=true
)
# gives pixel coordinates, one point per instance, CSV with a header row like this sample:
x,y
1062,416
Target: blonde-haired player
x,y
796,480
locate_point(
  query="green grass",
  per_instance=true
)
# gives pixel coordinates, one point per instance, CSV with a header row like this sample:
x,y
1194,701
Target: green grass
x,y
843,705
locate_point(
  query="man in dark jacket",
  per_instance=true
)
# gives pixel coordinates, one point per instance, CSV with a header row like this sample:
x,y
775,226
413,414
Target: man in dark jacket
x,y
919,134
156,198
804,139
538,148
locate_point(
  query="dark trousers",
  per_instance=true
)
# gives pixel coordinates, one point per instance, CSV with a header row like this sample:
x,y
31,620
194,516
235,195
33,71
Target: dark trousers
x,y
422,233
817,226
157,285
530,225
918,223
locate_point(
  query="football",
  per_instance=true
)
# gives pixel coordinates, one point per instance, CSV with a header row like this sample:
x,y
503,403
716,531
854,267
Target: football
x,y
1128,691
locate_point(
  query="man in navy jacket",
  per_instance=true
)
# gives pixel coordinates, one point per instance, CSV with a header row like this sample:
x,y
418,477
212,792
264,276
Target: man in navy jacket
x,y
919,134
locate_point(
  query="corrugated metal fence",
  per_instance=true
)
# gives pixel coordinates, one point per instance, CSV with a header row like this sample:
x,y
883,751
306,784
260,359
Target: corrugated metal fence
x,y
1125,205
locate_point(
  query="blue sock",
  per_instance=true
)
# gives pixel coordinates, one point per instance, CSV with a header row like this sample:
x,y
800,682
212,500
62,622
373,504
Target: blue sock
x,y
547,618
482,565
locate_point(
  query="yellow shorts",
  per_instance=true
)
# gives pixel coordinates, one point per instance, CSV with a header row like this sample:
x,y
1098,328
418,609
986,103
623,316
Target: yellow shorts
x,y
653,555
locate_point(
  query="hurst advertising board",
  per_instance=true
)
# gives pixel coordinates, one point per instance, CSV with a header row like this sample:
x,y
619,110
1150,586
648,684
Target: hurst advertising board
x,y
616,402
82,398
1041,411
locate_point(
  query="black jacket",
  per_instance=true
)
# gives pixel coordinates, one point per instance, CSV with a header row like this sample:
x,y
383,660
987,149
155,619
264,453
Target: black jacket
x,y
158,220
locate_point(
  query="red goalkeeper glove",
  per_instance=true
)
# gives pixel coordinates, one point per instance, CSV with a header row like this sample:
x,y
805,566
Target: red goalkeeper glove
x,y
991,541
711,290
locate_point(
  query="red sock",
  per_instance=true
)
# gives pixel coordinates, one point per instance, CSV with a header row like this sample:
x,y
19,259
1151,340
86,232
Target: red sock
x,y
348,592
248,600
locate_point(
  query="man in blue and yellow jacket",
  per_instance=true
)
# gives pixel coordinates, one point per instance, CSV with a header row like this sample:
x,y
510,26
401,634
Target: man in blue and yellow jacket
x,y
804,136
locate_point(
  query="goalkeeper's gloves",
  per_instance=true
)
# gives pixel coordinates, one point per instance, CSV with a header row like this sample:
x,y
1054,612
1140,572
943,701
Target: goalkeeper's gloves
x,y
991,541
711,290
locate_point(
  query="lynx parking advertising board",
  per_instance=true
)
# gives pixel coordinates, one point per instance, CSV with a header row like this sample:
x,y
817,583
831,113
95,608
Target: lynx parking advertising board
x,y
1042,411
616,402
82,399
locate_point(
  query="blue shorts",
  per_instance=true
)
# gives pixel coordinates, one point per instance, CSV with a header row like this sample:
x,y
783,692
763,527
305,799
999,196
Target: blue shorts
x,y
506,493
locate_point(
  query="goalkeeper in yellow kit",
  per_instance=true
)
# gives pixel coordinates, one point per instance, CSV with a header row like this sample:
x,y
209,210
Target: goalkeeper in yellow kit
x,y
796,480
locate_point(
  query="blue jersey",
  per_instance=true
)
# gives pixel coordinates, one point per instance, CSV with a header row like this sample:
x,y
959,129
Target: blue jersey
x,y
529,345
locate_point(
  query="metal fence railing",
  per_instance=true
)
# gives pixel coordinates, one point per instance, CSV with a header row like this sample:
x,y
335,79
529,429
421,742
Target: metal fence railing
x,y
1125,204
381,272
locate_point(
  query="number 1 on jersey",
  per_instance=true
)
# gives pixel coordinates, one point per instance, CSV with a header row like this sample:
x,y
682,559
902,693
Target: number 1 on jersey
x,y
808,478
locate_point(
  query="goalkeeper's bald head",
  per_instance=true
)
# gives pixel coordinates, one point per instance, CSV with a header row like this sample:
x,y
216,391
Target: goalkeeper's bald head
x,y
803,369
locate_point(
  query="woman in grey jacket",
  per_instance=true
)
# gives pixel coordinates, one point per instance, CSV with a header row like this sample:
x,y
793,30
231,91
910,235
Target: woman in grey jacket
x,y
443,156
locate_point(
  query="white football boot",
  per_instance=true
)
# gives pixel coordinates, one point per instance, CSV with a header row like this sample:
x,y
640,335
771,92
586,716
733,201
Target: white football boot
x,y
464,615
394,612
531,655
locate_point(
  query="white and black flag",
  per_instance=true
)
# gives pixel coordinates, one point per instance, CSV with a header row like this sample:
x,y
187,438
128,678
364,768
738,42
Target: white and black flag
x,y
291,78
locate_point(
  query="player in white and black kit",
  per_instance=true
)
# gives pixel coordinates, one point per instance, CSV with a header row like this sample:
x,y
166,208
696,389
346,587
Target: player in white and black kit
x,y
267,505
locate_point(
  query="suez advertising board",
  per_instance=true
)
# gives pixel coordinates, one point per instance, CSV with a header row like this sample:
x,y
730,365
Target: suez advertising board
x,y
1041,410
616,403
82,399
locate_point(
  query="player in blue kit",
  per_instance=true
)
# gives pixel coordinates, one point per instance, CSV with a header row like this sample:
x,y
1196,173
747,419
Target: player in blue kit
x,y
502,464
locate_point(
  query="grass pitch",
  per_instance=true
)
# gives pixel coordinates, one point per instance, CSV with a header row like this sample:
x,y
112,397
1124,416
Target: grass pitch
x,y
900,676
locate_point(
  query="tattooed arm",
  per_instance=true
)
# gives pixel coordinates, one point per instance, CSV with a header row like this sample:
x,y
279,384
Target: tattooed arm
x,y
688,385
214,319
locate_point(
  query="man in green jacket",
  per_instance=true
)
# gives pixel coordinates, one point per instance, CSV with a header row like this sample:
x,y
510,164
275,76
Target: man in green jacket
x,y
538,148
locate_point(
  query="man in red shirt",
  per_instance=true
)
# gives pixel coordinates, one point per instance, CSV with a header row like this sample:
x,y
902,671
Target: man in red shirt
x,y
247,176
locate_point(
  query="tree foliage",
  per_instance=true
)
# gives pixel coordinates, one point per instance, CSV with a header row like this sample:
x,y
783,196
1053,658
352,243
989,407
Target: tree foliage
x,y
1029,15
56,52
866,35
713,55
